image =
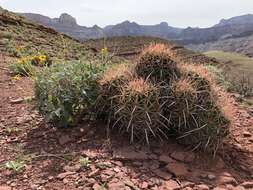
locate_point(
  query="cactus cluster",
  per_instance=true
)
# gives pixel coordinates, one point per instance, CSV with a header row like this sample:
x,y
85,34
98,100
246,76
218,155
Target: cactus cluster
x,y
160,97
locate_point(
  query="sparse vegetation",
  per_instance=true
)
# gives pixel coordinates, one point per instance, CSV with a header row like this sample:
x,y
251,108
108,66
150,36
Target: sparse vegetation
x,y
16,166
176,99
237,70
66,93
22,68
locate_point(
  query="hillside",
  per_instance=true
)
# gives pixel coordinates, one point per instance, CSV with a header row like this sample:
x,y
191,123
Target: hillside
x,y
37,155
130,47
67,24
17,33
238,69
242,45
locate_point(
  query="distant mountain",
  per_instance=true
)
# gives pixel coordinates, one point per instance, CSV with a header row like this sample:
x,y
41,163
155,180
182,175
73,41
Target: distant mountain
x,y
68,25
242,45
162,30
232,28
236,27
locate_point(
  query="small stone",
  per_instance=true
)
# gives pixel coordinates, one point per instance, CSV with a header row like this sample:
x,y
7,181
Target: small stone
x,y
144,185
137,163
178,169
93,173
13,184
220,188
33,187
64,139
187,188
183,156
116,169
166,159
65,174
239,188
171,185
16,101
211,176
201,187
128,154
130,184
74,168
162,174
247,134
65,180
97,187
5,187
226,178
116,186
247,184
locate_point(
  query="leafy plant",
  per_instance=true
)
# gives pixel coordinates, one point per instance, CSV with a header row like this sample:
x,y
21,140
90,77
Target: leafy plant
x,y
66,93
84,162
11,130
22,68
15,165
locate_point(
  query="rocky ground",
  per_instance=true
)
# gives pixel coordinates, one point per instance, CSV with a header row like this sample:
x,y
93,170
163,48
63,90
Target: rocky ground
x,y
87,158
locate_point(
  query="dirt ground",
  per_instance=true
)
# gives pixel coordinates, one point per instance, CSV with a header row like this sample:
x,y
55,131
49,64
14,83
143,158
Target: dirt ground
x,y
54,158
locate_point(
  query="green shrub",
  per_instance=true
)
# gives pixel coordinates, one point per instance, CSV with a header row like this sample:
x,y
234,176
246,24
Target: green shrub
x,y
22,69
67,93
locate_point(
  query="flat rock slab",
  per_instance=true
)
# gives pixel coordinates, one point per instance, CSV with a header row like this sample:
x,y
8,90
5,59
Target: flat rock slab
x,y
178,169
129,154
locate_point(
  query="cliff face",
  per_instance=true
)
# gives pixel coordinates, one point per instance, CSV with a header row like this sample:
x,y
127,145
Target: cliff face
x,y
234,34
68,25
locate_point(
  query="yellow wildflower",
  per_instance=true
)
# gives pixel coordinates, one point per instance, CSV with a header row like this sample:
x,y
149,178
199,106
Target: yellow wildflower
x,y
19,48
104,51
16,77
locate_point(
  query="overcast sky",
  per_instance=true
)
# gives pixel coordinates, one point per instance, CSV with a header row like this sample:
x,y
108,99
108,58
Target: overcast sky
x,y
178,13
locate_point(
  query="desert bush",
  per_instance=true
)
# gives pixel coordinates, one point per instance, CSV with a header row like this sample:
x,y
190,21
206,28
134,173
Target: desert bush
x,y
67,93
156,64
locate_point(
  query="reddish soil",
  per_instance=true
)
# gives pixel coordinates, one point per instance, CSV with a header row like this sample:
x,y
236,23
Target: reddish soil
x,y
51,156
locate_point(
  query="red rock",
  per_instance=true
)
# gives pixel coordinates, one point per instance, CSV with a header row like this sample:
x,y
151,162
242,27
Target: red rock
x,y
64,139
116,186
128,154
225,179
178,169
144,185
171,185
93,173
162,174
220,188
247,134
16,101
166,159
97,187
74,168
247,184
183,156
63,175
201,187
5,187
